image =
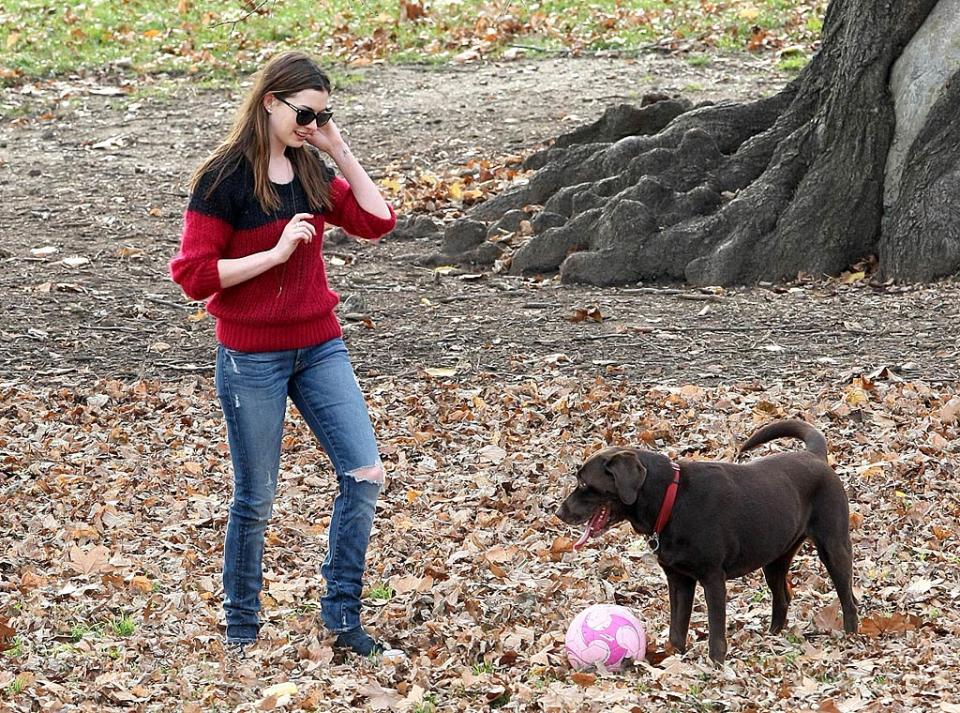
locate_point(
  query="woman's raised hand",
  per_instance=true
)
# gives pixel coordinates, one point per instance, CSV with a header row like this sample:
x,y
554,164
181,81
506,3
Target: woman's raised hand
x,y
327,138
298,230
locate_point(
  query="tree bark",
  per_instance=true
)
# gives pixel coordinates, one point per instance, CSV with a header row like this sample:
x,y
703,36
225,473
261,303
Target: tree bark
x,y
921,225
795,183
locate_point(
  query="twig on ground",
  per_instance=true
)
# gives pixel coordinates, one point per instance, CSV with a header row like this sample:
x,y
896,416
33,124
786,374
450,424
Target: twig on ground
x,y
161,301
534,48
242,18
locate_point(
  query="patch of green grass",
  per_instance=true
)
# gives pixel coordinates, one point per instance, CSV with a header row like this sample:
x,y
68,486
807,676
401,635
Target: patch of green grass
x,y
307,606
78,631
9,112
427,705
161,91
344,78
541,680
16,650
610,43
222,38
16,686
413,55
535,44
793,63
164,89
481,668
382,592
123,626
699,60
695,702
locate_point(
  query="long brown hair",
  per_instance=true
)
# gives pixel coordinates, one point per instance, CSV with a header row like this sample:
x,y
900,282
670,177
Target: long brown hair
x,y
249,138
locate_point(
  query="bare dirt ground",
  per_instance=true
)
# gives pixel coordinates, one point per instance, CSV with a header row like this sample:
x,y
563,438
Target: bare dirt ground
x,y
102,178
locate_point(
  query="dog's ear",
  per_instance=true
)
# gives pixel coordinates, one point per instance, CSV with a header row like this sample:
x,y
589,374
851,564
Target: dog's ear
x,y
628,475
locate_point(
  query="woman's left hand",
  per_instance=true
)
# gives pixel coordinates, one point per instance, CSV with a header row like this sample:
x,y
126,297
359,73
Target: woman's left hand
x,y
327,138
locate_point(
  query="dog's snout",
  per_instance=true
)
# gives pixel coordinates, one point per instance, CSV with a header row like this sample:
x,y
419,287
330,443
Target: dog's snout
x,y
567,512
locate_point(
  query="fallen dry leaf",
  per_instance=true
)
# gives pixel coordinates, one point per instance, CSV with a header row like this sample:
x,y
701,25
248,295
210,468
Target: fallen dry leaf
x,y
141,584
89,561
581,315
829,618
583,678
896,623
6,634
380,698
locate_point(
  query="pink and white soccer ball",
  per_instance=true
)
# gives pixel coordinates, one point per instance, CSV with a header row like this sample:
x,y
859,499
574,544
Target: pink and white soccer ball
x,y
604,635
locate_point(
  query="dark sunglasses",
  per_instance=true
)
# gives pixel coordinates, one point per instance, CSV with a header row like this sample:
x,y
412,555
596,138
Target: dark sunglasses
x,y
308,116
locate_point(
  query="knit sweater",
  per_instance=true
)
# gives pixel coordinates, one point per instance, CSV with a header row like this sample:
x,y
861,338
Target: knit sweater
x,y
289,306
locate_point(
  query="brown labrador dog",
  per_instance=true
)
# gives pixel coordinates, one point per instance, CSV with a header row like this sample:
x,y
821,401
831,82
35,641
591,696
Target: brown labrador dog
x,y
713,521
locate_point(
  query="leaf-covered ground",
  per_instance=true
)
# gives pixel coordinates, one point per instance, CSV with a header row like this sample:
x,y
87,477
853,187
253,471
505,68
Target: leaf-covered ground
x,y
486,391
114,500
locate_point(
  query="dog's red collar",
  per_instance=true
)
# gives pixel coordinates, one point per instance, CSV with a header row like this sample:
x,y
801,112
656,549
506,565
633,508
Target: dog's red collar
x,y
666,507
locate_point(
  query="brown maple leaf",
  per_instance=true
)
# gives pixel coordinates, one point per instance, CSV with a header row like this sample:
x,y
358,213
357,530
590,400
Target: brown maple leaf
x,y
89,561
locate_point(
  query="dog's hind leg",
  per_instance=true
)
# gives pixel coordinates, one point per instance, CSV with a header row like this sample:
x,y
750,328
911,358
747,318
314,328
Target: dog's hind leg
x,y
837,556
682,589
776,574
830,531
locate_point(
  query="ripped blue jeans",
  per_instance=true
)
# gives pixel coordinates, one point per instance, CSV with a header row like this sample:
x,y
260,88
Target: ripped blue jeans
x,y
253,388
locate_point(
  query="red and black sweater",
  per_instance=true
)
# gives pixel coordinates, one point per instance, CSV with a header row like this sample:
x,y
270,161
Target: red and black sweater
x,y
289,306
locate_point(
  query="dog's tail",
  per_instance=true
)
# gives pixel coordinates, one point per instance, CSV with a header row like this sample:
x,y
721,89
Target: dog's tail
x,y
790,428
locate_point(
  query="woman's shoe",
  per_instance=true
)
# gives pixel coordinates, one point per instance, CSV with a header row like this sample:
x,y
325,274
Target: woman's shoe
x,y
359,642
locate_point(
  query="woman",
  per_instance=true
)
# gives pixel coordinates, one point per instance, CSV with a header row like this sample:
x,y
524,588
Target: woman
x,y
251,243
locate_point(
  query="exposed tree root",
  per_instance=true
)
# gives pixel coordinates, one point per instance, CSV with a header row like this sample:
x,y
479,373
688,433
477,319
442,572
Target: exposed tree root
x,y
736,193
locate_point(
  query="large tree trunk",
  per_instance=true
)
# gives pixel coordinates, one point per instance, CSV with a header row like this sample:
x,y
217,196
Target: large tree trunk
x,y
859,155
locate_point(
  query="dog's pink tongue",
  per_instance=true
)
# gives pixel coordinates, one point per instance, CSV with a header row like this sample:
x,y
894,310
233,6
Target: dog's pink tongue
x,y
593,524
584,537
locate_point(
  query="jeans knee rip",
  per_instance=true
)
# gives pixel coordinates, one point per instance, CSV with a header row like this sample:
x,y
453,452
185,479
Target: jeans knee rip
x,y
368,474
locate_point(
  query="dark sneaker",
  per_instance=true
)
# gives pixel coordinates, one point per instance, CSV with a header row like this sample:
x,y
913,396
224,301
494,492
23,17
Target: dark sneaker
x,y
237,649
359,642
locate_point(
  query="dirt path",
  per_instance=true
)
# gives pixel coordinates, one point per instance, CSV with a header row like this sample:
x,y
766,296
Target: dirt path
x,y
101,179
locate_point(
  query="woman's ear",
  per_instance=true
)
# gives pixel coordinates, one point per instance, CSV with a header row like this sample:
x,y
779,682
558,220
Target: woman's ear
x,y
268,101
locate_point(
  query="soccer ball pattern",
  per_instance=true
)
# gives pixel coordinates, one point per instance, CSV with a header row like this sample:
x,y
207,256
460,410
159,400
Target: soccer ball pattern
x,y
604,635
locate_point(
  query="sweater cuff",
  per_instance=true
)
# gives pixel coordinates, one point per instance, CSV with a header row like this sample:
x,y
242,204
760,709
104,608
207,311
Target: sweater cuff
x,y
207,279
378,226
